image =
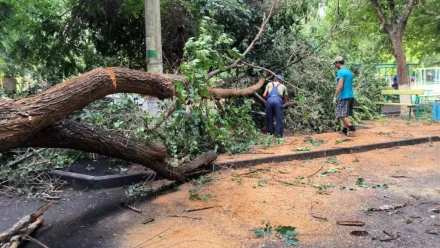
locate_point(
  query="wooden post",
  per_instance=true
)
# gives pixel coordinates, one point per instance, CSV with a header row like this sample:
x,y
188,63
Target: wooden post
x,y
153,39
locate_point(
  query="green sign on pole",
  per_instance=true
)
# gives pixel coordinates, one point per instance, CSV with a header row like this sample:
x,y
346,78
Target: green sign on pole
x,y
152,54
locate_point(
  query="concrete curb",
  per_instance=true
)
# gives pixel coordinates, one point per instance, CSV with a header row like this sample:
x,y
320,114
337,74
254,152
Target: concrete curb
x,y
81,181
323,153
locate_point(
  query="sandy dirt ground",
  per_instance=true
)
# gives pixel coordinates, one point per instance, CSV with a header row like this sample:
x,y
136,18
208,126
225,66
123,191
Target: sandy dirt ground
x,y
370,132
310,195
288,194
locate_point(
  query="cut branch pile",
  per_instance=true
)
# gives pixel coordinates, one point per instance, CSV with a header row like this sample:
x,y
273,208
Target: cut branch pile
x,y
23,228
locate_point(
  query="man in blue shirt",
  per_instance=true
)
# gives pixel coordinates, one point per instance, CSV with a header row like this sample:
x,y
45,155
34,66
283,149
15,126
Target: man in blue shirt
x,y
344,96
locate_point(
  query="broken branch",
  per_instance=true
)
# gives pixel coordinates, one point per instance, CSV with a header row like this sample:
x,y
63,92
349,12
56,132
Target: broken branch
x,y
167,114
350,223
26,156
23,222
36,242
389,239
284,182
282,80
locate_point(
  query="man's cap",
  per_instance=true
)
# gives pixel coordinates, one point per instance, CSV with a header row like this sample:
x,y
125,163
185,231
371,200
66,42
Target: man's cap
x,y
279,77
338,59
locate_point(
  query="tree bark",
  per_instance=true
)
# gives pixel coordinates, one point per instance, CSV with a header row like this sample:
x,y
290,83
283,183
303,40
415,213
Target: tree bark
x,y
200,161
399,54
233,93
22,117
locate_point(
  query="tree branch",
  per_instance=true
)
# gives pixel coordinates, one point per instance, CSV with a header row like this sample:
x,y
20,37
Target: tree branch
x,y
230,93
24,157
392,7
28,219
259,99
381,15
405,15
309,54
261,29
273,74
167,114
248,49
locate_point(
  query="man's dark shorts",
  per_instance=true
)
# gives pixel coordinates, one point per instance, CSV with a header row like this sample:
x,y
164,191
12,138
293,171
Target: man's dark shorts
x,y
344,107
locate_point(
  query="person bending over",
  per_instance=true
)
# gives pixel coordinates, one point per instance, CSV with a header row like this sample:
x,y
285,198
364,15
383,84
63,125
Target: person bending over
x,y
276,95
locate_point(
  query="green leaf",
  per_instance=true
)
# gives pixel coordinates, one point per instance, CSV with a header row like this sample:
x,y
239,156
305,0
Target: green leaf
x,y
258,232
303,148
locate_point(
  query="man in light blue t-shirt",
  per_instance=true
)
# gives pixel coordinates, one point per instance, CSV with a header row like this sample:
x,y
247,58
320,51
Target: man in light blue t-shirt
x,y
344,96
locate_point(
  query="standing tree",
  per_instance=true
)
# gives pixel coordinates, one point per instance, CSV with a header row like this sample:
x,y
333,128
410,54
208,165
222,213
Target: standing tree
x,y
394,23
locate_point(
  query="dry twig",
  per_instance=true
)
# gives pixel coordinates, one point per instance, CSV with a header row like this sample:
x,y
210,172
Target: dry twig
x,y
314,215
26,156
253,171
131,207
284,182
200,209
185,216
320,168
37,242
389,239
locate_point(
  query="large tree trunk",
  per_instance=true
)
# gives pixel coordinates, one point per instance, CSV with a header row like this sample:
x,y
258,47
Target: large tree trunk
x,y
395,28
402,70
23,117
399,55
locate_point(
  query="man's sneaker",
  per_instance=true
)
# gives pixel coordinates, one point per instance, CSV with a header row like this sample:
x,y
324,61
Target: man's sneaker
x,y
344,131
351,130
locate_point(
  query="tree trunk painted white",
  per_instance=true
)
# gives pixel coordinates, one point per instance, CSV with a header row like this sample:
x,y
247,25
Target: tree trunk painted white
x,y
402,70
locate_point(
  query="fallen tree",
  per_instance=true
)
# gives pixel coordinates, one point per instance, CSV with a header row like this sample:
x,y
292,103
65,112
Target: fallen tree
x,y
36,121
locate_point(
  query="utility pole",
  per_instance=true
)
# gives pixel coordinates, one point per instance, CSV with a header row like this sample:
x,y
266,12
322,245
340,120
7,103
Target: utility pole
x,y
153,39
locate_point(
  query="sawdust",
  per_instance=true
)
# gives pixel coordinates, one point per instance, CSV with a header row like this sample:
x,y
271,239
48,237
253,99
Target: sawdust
x,y
242,203
369,133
